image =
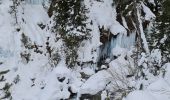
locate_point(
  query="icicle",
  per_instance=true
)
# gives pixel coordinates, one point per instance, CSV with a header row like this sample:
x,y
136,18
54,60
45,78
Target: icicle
x,y
121,40
34,1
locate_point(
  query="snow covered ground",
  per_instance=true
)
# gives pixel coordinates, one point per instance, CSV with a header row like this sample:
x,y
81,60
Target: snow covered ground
x,y
39,80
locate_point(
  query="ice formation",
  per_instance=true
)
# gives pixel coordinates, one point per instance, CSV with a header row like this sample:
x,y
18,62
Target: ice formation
x,y
35,1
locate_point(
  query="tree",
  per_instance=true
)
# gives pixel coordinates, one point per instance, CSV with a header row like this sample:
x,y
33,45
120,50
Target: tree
x,y
160,37
71,25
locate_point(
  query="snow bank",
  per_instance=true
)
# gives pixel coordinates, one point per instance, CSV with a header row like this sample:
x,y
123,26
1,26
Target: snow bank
x,y
104,14
167,73
96,83
88,71
33,15
140,95
7,40
158,90
156,56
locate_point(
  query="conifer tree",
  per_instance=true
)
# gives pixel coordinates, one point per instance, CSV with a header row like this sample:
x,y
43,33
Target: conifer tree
x,y
160,38
70,18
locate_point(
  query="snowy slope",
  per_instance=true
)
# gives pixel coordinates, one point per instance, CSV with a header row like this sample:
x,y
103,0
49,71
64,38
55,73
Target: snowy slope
x,y
42,79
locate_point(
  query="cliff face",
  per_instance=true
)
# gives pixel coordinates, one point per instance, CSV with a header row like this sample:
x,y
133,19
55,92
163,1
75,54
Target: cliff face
x,y
72,49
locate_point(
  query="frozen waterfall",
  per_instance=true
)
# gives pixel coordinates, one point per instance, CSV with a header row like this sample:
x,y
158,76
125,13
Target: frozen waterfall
x,y
121,40
35,1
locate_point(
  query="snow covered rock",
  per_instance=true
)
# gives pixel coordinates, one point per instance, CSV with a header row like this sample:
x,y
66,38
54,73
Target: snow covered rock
x,y
96,83
140,95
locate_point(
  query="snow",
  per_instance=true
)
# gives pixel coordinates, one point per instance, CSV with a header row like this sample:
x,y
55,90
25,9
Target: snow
x,y
40,80
156,56
55,89
163,39
118,51
23,88
108,13
120,67
95,83
151,1
167,75
140,95
103,95
61,70
158,90
148,13
49,80
145,44
88,71
33,15
6,38
116,74
90,49
37,79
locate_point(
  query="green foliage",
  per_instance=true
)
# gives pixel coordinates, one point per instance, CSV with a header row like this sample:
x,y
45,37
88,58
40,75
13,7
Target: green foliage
x,y
161,30
72,44
70,18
